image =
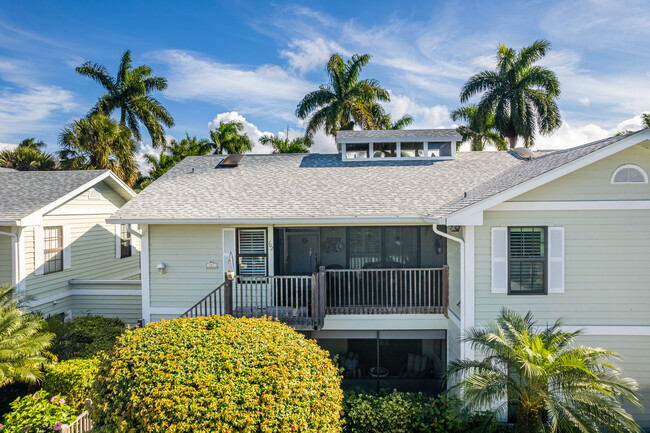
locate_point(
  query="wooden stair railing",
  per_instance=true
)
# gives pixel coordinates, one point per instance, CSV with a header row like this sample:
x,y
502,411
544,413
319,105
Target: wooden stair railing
x,y
213,303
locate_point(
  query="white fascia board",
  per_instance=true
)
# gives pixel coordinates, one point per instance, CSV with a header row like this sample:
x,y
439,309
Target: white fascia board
x,y
9,223
552,175
475,219
572,205
280,220
456,138
35,218
102,282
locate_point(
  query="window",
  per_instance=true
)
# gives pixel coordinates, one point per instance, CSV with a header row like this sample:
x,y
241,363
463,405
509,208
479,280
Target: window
x,y
381,247
52,249
356,150
410,149
439,148
527,262
629,174
252,252
125,241
384,150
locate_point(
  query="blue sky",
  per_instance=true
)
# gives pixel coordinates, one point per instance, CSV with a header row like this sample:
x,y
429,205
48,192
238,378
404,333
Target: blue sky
x,y
253,61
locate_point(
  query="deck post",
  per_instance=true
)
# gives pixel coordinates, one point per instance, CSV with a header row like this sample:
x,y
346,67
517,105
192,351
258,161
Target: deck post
x,y
445,291
321,296
227,296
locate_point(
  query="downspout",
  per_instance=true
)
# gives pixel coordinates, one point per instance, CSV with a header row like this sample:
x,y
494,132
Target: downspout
x,y
133,232
15,268
461,243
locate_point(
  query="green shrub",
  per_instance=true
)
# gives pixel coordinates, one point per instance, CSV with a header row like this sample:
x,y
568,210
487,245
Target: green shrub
x,y
216,374
38,413
73,379
400,412
85,336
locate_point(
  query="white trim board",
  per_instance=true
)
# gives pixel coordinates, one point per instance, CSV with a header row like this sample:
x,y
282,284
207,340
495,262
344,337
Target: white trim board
x,y
71,292
406,219
572,205
479,207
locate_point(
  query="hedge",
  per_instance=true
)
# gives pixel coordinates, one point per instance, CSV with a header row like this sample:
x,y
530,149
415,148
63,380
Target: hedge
x,y
37,413
73,379
216,373
84,336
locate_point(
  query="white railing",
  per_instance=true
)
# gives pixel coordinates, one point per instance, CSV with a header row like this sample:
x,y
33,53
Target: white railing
x,y
82,424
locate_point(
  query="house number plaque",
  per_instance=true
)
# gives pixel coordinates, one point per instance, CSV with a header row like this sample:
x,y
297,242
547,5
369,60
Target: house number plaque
x,y
211,265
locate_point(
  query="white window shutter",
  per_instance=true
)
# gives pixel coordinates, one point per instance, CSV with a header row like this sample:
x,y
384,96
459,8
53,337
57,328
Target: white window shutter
x,y
39,245
118,241
228,243
556,260
67,248
499,260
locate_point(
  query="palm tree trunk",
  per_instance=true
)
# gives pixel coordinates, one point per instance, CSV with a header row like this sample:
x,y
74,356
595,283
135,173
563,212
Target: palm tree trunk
x,y
529,418
513,141
123,117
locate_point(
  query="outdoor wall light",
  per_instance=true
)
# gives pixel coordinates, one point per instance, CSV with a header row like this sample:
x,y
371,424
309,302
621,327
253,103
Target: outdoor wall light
x,y
162,268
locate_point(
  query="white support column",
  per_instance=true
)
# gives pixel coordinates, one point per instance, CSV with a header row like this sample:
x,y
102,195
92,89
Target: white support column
x,y
468,311
19,257
145,277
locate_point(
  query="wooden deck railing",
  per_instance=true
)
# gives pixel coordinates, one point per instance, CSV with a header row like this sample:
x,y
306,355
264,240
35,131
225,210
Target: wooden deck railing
x,y
82,424
303,301
387,291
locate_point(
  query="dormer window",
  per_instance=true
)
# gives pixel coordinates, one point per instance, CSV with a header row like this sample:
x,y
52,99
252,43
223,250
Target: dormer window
x,y
386,145
357,150
629,173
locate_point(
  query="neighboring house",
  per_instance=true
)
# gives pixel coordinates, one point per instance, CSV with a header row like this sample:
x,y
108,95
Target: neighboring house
x,y
57,249
394,246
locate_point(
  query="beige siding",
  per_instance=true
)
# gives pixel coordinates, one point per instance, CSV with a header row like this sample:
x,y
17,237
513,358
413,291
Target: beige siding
x,y
185,250
5,257
93,244
593,182
607,268
635,353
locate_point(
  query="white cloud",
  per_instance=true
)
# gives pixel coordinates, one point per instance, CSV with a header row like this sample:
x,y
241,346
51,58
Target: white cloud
x,y
254,133
26,110
585,101
5,146
310,54
424,116
270,89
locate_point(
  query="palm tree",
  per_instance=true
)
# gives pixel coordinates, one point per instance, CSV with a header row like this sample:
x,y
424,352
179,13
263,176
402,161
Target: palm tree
x,y
556,385
228,138
284,145
345,101
479,134
520,94
130,92
28,156
22,342
383,120
646,120
97,142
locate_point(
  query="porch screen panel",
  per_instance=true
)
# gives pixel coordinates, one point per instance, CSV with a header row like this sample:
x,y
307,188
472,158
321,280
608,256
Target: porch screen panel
x,y
252,252
401,246
364,246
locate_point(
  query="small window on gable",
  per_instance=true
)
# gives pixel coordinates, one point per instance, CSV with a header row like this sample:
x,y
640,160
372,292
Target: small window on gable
x,y
629,173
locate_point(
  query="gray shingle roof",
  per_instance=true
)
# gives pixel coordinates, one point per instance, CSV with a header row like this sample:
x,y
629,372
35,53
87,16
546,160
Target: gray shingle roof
x,y
6,170
401,134
24,192
545,162
311,185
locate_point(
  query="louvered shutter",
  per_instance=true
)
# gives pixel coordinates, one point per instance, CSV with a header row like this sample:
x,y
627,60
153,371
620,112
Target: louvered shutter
x,y
67,248
556,260
252,252
499,260
39,245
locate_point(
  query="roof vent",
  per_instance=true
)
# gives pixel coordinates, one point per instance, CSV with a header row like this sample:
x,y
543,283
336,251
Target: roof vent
x,y
524,153
231,160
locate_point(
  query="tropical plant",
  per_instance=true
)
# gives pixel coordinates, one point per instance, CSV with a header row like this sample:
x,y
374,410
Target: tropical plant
x,y
344,102
130,92
40,412
73,379
645,117
97,142
520,95
383,120
22,342
477,133
284,145
28,156
84,336
556,385
172,154
216,374
228,138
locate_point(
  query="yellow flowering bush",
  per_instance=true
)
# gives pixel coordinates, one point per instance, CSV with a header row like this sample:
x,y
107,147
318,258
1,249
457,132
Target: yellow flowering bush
x,y
216,374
